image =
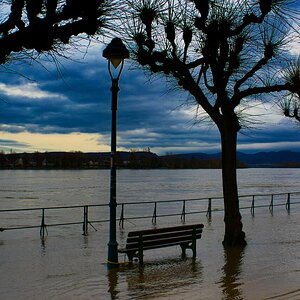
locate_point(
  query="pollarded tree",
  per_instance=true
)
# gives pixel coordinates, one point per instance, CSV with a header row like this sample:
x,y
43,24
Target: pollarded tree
x,y
45,25
290,104
223,53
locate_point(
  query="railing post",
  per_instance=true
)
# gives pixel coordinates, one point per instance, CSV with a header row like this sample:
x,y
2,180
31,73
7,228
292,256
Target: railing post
x,y
183,212
154,214
252,206
121,221
85,220
208,213
271,205
43,225
288,203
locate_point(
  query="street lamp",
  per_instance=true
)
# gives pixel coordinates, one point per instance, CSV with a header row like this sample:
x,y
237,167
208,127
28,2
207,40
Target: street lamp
x,y
115,53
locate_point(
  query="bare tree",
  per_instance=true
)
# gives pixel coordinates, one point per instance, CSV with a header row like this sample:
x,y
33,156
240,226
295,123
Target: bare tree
x,y
223,53
46,25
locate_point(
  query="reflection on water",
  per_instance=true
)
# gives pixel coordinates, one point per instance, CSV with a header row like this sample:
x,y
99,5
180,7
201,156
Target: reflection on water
x,y
43,245
154,279
165,278
113,275
230,280
295,294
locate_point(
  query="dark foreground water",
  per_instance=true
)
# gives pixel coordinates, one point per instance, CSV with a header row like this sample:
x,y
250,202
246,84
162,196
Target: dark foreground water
x,y
68,265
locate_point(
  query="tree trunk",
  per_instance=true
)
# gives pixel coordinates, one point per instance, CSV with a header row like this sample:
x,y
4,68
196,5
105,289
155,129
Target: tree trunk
x,y
234,236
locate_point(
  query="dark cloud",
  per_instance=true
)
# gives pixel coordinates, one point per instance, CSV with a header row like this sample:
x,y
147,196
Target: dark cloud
x,y
12,144
76,97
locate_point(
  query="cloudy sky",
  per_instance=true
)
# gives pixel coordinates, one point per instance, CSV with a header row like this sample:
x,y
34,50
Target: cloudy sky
x,y
66,107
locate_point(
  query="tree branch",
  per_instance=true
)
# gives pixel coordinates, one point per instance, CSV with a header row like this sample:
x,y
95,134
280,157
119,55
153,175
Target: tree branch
x,y
252,72
41,24
247,20
196,63
261,90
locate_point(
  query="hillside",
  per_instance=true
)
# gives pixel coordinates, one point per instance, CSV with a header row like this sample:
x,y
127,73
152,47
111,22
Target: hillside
x,y
259,159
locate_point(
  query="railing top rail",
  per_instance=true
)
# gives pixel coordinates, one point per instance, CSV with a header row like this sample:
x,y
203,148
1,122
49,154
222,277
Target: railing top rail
x,y
50,207
268,194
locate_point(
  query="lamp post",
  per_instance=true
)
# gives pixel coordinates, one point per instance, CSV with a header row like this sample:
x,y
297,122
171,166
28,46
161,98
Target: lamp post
x,y
115,53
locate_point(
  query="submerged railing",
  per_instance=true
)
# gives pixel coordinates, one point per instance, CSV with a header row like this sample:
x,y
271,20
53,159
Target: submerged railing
x,y
173,208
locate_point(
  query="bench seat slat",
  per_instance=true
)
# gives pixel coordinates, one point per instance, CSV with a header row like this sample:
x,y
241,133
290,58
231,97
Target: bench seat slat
x,y
165,229
151,247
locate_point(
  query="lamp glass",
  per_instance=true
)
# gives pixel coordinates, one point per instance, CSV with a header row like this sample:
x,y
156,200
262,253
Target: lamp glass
x,y
116,62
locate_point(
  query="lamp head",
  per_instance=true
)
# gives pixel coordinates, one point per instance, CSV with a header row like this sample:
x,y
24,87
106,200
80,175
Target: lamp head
x,y
116,52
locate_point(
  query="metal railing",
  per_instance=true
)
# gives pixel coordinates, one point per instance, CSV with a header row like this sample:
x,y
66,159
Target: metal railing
x,y
161,209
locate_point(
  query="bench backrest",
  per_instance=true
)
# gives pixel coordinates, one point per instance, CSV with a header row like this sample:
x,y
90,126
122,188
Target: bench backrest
x,y
163,237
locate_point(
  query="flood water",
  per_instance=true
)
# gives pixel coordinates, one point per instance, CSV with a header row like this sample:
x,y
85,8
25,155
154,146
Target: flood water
x,y
68,265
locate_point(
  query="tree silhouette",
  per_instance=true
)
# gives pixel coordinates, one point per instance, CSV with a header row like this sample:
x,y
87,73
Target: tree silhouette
x,y
45,25
290,104
223,53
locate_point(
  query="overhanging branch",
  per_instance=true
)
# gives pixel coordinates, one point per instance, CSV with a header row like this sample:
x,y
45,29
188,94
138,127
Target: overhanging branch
x,y
41,24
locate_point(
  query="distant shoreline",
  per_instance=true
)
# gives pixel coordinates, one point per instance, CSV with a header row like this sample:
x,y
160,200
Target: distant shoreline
x,y
143,160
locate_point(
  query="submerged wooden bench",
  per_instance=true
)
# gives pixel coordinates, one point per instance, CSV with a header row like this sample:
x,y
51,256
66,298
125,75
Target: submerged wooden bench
x,y
184,235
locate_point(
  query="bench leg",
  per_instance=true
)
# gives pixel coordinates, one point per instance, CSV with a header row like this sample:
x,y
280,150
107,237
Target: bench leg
x,y
141,256
183,249
194,248
194,243
130,256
